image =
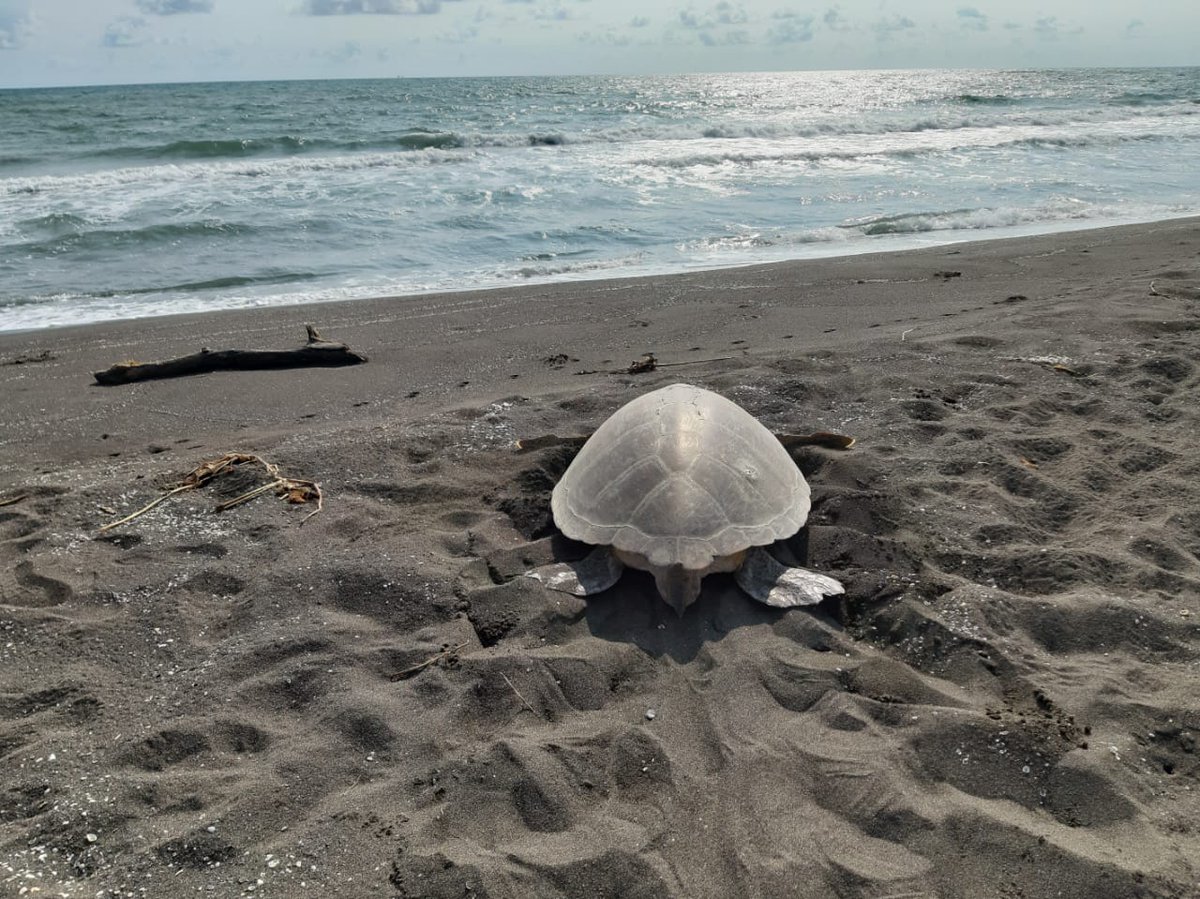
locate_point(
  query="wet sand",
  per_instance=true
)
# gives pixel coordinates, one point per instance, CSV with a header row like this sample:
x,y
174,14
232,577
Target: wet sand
x,y
373,704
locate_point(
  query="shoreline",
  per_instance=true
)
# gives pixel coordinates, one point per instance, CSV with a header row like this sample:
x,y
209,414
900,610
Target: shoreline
x,y
492,343
563,289
376,702
1063,228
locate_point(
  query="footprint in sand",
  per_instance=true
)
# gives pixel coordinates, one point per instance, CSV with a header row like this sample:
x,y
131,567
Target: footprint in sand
x,y
24,587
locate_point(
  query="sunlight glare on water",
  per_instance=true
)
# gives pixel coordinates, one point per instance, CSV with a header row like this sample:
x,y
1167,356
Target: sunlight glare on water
x,y
121,202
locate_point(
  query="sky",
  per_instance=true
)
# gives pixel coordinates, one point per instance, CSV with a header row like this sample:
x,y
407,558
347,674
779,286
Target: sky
x,y
74,42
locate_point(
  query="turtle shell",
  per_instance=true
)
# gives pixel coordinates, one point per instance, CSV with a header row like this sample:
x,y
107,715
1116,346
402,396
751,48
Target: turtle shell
x,y
682,476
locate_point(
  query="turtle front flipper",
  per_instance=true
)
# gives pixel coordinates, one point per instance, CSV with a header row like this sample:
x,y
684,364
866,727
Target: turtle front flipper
x,y
594,573
771,582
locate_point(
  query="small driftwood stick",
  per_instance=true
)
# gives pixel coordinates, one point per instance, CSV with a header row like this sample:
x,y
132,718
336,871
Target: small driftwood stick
x,y
446,653
317,352
518,692
692,361
12,501
1176,291
146,508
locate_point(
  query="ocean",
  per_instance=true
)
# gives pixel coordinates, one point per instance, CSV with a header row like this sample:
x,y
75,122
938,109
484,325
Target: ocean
x,y
124,202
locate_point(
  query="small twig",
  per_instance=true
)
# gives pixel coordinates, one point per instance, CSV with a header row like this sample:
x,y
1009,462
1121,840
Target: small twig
x,y
146,508
1177,291
518,692
320,506
247,496
904,334
432,660
1066,370
12,501
694,361
1054,363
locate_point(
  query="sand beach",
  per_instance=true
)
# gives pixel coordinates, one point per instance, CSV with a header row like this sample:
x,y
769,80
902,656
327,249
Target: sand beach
x,y
374,702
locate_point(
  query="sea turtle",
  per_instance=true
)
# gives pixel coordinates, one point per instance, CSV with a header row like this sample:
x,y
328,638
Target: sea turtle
x,y
681,483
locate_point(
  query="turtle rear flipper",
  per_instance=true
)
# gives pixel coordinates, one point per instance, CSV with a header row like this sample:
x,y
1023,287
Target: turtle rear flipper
x,y
594,573
771,582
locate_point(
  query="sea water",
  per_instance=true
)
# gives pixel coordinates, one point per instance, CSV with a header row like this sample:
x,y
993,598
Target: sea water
x,y
121,202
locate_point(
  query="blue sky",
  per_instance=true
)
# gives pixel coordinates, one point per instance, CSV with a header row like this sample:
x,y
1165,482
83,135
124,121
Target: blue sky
x,y
59,42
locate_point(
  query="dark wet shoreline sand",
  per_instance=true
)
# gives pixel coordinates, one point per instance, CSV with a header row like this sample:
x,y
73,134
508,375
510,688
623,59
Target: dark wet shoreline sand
x,y
1005,703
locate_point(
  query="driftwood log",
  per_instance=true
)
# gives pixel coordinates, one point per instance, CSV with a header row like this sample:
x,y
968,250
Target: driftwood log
x,y
317,352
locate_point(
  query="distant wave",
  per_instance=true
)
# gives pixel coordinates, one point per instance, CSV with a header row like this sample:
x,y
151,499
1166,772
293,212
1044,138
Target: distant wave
x,y
569,269
218,284
902,224
422,140
283,145
660,154
1144,98
784,154
75,236
227,283
54,223
198,171
973,219
986,99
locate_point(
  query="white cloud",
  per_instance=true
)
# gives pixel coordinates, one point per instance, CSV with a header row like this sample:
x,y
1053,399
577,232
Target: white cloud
x,y
124,32
723,13
174,7
791,30
1050,29
725,38
557,14
970,17
835,21
16,24
371,7
895,24
346,52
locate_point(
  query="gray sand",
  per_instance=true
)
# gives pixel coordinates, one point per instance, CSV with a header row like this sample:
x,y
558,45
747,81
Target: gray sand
x,y
1005,703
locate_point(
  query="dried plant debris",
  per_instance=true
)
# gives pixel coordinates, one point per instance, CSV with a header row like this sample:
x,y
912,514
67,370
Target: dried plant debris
x,y
641,366
292,490
30,358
